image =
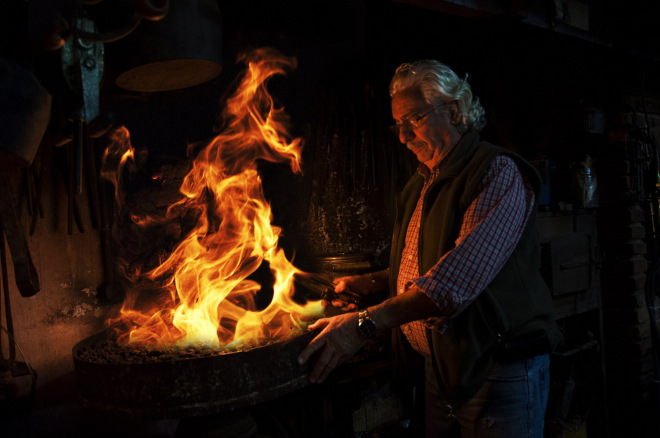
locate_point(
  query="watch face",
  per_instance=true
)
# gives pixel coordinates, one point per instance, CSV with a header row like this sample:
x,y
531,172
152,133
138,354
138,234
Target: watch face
x,y
366,326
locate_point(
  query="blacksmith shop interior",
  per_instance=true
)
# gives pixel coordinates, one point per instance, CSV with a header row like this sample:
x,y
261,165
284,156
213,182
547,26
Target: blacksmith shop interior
x,y
182,181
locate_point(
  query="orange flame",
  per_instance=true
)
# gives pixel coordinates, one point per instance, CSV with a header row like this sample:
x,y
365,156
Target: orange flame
x,y
211,297
117,156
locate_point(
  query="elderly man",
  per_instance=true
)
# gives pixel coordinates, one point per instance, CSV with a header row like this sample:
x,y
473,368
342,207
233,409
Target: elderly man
x,y
464,283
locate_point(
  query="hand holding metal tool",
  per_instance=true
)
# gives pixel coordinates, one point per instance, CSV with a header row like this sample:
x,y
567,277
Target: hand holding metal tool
x,y
326,289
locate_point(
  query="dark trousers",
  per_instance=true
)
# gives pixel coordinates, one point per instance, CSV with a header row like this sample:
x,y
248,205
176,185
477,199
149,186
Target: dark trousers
x,y
511,404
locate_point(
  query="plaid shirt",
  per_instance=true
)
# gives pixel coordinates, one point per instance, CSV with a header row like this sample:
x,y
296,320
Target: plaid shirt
x,y
491,228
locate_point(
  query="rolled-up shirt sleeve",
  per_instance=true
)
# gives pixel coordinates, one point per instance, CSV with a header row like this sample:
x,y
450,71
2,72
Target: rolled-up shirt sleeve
x,y
491,228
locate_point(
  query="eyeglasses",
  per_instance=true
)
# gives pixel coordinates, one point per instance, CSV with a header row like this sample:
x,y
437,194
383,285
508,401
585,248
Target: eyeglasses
x,y
415,122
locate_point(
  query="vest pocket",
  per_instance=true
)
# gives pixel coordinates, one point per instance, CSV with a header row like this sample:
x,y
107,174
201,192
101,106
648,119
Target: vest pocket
x,y
465,352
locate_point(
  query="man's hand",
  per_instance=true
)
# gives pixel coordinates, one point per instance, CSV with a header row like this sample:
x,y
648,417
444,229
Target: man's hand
x,y
344,298
338,340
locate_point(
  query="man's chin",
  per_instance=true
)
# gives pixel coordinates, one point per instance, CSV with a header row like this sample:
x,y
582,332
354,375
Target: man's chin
x,y
421,156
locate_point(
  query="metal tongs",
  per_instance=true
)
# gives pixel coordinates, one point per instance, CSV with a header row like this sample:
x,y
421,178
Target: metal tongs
x,y
326,289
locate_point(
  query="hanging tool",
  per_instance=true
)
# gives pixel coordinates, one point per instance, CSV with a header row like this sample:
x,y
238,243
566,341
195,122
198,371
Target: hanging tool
x,y
9,364
16,368
36,184
25,110
82,64
24,270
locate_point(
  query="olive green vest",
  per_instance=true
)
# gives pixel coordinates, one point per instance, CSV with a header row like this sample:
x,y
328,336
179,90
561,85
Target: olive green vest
x,y
517,302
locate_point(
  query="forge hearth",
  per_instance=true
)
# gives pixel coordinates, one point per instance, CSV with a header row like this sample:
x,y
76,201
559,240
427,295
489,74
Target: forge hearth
x,y
185,382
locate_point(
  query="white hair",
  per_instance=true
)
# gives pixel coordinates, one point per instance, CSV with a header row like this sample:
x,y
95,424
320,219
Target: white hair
x,y
439,84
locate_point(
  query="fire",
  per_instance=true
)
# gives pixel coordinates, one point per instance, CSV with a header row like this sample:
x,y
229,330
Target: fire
x,y
211,299
118,155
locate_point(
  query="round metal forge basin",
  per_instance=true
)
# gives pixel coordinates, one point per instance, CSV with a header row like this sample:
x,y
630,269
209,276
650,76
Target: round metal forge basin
x,y
190,386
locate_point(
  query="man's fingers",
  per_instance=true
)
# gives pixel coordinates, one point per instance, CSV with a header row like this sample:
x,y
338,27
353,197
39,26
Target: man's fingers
x,y
340,286
337,341
320,323
314,345
343,305
324,366
311,348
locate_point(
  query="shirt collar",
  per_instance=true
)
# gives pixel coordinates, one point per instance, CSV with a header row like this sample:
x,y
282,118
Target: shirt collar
x,y
432,174
429,174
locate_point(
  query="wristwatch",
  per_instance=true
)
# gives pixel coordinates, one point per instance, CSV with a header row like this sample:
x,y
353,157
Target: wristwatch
x,y
366,325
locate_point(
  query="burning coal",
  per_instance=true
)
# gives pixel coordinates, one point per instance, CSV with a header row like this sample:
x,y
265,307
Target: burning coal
x,y
210,297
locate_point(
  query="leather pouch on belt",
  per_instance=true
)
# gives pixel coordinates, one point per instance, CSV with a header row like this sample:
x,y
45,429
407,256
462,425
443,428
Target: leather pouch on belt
x,y
524,347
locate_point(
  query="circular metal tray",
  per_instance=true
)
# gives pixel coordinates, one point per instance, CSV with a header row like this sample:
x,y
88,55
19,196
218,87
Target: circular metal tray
x,y
191,386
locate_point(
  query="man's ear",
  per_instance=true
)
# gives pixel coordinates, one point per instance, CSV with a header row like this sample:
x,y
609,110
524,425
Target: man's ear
x,y
454,113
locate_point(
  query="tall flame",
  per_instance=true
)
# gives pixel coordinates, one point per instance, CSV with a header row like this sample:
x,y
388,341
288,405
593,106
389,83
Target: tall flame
x,y
211,297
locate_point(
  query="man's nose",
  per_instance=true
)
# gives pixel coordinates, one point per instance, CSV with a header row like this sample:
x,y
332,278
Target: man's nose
x,y
405,134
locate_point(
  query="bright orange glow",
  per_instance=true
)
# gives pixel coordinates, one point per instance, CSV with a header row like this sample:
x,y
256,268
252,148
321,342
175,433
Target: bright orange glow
x,y
211,299
118,155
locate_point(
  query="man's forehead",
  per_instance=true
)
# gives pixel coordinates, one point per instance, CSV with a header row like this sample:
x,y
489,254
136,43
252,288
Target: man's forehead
x,y
407,101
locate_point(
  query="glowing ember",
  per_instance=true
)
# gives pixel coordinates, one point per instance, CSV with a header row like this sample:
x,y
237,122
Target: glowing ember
x,y
211,299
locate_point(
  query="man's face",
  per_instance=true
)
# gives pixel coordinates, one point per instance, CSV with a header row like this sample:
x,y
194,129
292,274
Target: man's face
x,y
434,136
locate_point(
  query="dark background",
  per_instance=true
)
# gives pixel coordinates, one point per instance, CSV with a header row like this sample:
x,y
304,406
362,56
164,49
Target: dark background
x,y
542,75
